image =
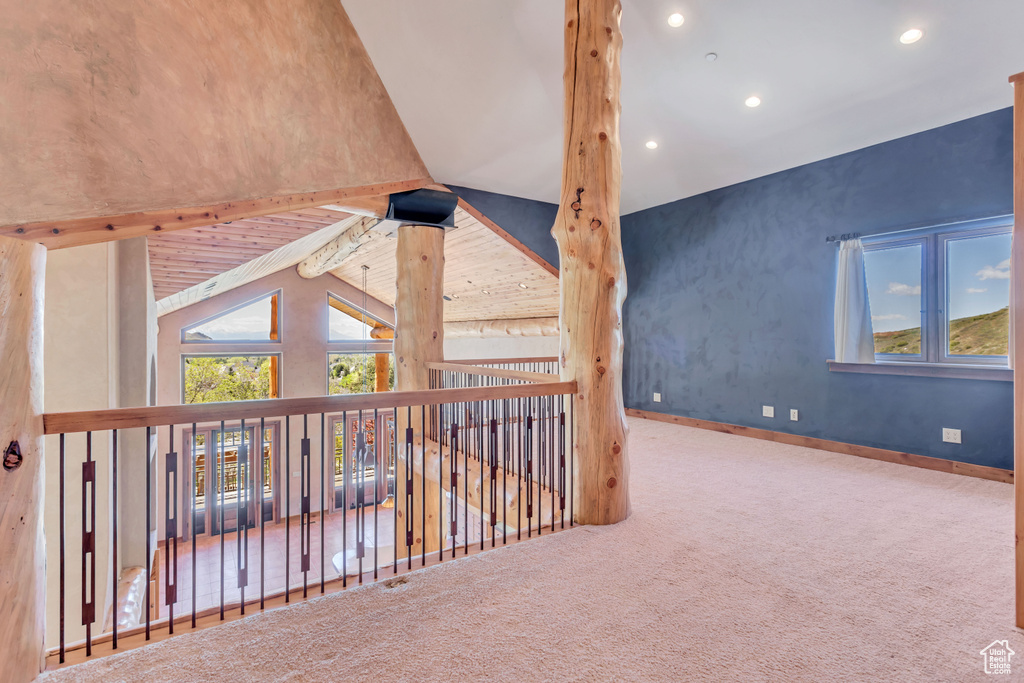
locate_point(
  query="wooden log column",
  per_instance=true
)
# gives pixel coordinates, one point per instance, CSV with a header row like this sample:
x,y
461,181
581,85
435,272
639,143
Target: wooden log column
x,y
1017,337
419,339
22,552
593,276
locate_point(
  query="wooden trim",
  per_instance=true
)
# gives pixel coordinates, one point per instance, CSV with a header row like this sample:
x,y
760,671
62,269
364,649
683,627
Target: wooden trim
x,y
982,372
503,361
1017,339
78,231
135,638
125,418
1017,78
494,372
897,457
505,235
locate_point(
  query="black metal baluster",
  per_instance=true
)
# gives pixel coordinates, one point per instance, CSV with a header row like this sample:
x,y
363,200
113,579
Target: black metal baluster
x,y
478,426
242,476
561,460
149,525
115,571
61,525
222,487
88,543
408,490
360,477
423,485
304,518
453,468
505,434
323,464
287,507
345,467
493,461
376,483
572,459
259,511
551,453
439,410
170,530
519,477
195,443
529,468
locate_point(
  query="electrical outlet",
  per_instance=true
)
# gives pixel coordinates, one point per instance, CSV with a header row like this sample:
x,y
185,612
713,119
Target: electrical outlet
x,y
950,435
794,414
768,411
657,398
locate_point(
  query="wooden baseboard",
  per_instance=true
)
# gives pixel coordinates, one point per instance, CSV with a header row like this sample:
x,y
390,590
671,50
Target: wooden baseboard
x,y
922,461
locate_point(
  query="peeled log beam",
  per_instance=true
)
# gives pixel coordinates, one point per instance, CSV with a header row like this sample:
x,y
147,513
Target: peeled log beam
x,y
22,558
334,253
593,282
516,327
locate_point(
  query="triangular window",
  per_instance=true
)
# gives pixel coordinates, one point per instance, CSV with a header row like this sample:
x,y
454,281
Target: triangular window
x,y
255,321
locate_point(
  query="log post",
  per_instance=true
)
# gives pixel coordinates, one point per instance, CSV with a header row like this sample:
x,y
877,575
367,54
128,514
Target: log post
x,y
593,275
1017,337
22,552
419,339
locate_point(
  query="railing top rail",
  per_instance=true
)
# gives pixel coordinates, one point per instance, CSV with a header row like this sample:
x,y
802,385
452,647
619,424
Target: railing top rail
x,y
127,418
494,372
504,361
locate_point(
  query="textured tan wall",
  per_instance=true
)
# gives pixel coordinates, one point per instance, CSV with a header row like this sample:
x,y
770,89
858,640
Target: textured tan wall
x,y
114,106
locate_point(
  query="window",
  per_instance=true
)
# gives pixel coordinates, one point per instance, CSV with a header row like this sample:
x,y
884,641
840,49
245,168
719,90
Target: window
x,y
212,379
360,344
255,321
356,373
941,295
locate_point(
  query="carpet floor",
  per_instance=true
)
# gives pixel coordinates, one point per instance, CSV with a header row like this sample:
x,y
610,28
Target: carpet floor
x,y
743,560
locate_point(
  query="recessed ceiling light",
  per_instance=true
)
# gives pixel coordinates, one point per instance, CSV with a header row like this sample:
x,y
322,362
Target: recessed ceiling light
x,y
455,296
651,144
676,20
911,36
523,286
753,101
484,291
711,56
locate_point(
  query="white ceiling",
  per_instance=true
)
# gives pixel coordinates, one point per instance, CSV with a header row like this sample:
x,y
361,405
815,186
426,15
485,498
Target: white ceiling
x,y
478,84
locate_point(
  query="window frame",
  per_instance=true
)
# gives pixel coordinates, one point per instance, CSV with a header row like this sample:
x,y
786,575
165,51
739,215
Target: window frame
x,y
935,242
348,346
220,314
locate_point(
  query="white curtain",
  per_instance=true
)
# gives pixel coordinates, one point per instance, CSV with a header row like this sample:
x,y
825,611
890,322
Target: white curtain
x,y
855,342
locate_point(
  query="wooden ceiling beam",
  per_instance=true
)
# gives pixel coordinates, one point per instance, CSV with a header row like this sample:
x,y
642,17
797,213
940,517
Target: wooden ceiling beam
x,y
79,231
334,253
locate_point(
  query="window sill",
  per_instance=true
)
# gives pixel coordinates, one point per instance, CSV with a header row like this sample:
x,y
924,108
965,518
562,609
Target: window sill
x,y
985,372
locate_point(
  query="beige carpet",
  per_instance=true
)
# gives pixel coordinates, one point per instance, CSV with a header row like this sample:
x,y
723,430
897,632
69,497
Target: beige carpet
x,y
744,560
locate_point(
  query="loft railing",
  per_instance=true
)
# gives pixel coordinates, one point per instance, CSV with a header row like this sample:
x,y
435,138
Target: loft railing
x,y
498,458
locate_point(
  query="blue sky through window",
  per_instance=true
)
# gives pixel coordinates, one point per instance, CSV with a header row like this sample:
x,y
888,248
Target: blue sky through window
x,y
978,275
894,287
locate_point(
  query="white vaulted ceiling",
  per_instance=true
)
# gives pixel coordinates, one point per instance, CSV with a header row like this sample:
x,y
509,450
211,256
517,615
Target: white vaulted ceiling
x,y
478,84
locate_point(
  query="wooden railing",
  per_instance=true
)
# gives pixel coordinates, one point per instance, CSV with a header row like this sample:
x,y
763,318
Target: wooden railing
x,y
496,459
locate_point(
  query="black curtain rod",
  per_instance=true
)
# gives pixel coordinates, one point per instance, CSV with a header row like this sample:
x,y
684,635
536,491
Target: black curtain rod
x,y
842,238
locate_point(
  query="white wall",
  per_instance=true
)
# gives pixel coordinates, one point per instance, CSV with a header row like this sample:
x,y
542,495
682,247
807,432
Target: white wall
x,y
80,373
501,347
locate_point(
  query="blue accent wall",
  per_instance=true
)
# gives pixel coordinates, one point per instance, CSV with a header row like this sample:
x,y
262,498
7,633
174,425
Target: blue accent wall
x,y
731,295
527,220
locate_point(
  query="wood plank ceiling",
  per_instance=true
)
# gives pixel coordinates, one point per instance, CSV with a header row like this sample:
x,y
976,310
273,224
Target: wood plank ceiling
x,y
184,258
485,277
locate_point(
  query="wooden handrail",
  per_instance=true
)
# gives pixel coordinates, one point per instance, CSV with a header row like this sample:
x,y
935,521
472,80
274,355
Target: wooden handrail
x,y
504,361
494,372
126,418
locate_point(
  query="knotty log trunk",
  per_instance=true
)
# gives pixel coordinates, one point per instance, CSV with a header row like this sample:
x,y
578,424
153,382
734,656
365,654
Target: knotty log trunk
x,y
593,276
419,339
22,553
